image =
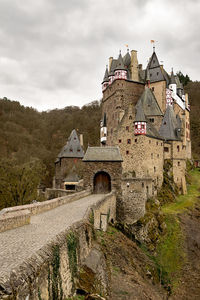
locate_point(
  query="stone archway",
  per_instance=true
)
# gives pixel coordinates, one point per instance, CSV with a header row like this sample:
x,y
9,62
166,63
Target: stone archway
x,y
102,183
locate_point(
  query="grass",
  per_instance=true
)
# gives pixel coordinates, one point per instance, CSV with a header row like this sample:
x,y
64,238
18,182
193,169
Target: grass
x,y
170,251
186,201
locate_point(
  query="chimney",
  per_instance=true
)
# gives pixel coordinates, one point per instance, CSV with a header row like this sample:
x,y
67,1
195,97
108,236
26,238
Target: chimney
x,y
134,66
81,140
110,62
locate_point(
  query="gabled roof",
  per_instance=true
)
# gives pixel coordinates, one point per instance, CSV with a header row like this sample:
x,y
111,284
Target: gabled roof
x,y
72,147
120,63
170,125
153,62
103,154
106,79
149,103
155,71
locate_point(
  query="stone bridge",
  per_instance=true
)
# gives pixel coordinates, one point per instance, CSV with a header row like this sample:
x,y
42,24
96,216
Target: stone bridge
x,y
26,252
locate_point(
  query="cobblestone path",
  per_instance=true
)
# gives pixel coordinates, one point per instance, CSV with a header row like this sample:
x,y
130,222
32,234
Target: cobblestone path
x,y
18,244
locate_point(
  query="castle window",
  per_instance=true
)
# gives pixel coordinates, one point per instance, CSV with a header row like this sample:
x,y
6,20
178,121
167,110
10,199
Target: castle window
x,y
127,128
150,75
151,120
154,169
157,73
157,155
166,149
178,163
135,140
78,150
142,184
136,127
165,123
70,150
154,61
151,155
142,126
128,141
149,142
178,148
157,143
161,144
130,118
120,140
127,152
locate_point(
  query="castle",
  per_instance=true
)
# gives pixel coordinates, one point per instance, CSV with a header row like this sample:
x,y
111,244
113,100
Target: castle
x,y
145,121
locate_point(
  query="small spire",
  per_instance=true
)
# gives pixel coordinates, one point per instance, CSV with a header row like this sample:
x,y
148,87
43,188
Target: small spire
x,y
119,51
128,50
172,79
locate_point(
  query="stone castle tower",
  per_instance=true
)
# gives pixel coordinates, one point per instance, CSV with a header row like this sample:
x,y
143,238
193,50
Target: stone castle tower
x,y
145,112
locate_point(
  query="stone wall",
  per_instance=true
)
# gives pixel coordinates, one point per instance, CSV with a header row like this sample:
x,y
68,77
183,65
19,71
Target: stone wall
x,y
14,219
69,262
135,192
63,167
159,89
17,216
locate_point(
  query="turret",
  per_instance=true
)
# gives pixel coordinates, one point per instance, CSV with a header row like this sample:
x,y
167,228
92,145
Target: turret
x,y
172,84
103,131
105,82
140,121
120,69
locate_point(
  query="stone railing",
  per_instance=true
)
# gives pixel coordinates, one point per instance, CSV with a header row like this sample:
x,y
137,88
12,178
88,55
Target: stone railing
x,y
16,216
35,276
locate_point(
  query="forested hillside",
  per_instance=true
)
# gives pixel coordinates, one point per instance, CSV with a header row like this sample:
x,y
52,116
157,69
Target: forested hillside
x,y
31,140
27,135
193,90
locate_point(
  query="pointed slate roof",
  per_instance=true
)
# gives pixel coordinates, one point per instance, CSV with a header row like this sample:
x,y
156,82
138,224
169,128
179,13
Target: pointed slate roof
x,y
127,59
104,120
112,67
140,117
102,154
106,78
155,69
120,63
72,147
172,79
149,103
170,125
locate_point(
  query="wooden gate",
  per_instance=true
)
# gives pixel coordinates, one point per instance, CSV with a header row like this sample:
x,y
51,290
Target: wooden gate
x,y
102,183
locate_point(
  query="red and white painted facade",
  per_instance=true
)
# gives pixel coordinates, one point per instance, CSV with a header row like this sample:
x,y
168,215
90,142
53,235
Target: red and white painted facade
x,y
120,74
104,85
169,99
140,128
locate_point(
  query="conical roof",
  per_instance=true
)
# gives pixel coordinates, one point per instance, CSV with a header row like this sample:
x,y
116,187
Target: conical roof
x,y
127,59
72,147
120,63
139,117
172,79
170,125
106,76
104,120
112,67
149,103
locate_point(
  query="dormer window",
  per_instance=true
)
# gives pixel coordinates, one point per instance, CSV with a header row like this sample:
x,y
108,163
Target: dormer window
x,y
70,150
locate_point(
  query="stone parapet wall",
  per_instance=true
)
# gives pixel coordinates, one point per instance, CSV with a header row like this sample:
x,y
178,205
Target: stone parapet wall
x,y
17,216
54,270
15,219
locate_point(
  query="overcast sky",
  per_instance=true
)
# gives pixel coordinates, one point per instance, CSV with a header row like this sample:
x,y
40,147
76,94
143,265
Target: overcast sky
x,y
53,53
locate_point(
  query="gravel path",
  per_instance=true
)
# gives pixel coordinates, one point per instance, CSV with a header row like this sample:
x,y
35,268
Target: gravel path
x,y
18,244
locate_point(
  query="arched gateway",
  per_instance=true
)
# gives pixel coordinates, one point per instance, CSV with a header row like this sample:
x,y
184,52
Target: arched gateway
x,y
102,183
